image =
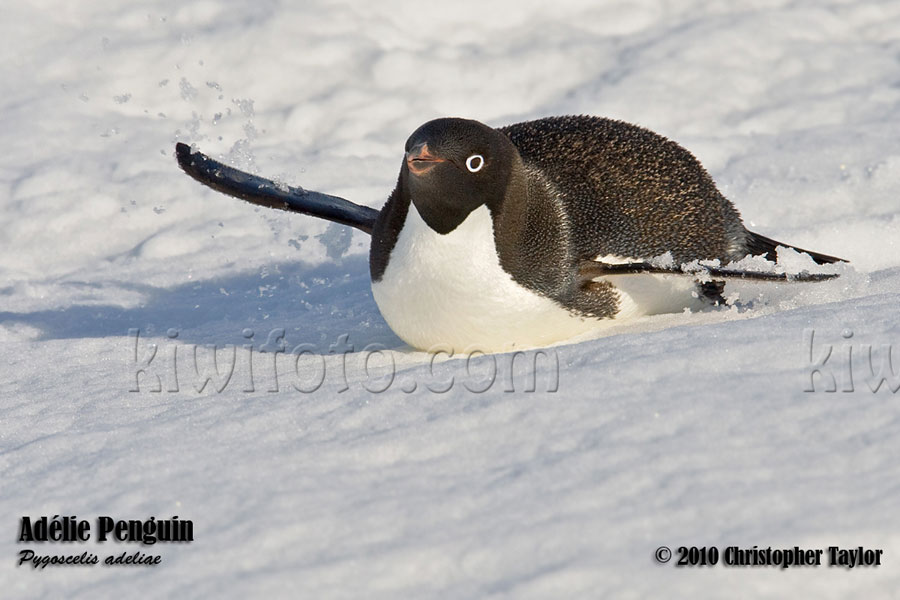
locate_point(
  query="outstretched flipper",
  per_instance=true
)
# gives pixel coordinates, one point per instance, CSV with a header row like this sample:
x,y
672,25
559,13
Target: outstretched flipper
x,y
264,192
590,269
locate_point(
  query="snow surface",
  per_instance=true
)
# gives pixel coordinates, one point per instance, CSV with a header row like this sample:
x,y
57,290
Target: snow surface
x,y
690,429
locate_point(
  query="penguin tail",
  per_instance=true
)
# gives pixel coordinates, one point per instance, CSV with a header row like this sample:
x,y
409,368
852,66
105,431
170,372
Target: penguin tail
x,y
761,245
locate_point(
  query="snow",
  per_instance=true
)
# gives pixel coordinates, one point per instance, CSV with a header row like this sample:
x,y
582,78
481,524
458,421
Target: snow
x,y
689,429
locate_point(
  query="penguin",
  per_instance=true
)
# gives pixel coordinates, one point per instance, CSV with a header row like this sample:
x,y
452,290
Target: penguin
x,y
498,239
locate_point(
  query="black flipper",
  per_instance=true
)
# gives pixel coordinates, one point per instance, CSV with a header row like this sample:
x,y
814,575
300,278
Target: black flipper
x,y
264,192
589,269
761,245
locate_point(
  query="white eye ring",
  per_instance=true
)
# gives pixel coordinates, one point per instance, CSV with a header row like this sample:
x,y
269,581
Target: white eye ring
x,y
474,163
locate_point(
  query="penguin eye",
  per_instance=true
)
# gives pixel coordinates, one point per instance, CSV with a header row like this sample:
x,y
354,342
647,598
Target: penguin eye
x,y
474,163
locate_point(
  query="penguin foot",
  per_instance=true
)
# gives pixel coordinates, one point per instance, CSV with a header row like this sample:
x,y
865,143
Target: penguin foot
x,y
711,292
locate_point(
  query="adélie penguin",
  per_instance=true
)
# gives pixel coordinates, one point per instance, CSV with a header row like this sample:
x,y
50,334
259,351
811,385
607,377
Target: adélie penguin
x,y
530,234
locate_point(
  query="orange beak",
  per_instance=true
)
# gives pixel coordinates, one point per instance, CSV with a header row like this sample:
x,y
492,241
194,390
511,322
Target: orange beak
x,y
420,160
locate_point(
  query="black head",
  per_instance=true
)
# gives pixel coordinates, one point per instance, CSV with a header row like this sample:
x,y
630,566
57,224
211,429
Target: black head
x,y
452,167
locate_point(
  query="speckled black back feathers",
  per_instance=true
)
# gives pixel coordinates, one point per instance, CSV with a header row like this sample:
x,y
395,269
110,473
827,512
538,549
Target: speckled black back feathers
x,y
630,192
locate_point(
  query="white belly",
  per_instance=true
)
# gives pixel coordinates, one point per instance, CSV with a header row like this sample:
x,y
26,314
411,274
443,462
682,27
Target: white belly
x,y
449,292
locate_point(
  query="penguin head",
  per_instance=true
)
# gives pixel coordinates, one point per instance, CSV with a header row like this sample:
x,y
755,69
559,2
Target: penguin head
x,y
453,166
